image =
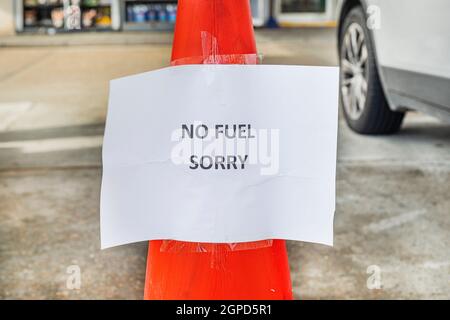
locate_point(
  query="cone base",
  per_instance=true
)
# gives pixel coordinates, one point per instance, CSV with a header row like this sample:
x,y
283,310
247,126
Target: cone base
x,y
255,274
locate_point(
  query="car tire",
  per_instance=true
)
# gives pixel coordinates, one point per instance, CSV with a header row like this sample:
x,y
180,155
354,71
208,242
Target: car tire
x,y
363,101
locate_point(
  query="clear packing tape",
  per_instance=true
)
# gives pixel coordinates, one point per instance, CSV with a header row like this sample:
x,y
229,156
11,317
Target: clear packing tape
x,y
211,54
174,246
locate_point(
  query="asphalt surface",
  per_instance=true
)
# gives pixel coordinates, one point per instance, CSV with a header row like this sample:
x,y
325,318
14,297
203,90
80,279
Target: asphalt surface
x,y
392,191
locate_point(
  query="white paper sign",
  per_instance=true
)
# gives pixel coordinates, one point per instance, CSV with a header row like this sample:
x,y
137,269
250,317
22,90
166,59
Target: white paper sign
x,y
221,153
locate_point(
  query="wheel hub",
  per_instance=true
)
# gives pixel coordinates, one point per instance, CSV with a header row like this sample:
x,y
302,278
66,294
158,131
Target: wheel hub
x,y
354,84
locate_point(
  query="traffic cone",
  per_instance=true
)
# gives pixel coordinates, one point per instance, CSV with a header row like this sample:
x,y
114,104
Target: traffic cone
x,y
216,32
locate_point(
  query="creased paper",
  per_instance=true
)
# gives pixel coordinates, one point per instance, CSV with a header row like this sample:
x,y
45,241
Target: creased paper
x,y
170,172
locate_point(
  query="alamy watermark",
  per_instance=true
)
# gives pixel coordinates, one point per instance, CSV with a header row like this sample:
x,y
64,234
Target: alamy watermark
x,y
374,280
73,281
373,17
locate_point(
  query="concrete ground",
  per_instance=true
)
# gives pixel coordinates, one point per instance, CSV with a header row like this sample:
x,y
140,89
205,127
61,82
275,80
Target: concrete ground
x,y
392,192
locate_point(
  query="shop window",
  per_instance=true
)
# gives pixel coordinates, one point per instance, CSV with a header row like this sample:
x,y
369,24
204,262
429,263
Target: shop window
x,y
149,14
66,15
303,6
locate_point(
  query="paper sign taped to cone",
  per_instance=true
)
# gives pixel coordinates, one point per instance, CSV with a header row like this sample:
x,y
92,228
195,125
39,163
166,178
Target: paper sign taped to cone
x,y
221,153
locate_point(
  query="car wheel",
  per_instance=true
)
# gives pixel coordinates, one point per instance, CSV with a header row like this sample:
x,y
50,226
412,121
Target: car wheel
x,y
365,107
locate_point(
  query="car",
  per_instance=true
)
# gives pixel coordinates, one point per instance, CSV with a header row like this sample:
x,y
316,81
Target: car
x,y
394,57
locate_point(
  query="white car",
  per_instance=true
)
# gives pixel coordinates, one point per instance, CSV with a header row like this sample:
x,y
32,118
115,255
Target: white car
x,y
394,57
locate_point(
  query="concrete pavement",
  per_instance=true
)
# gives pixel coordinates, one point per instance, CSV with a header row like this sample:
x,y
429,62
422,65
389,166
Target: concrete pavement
x,y
392,192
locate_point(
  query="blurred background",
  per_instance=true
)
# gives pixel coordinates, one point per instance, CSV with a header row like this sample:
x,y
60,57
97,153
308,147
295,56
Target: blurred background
x,y
56,61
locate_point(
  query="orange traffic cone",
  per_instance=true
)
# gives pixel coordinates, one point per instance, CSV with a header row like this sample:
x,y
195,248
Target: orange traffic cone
x,y
216,32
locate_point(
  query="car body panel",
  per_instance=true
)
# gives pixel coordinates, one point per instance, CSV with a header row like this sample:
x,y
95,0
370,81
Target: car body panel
x,y
412,47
